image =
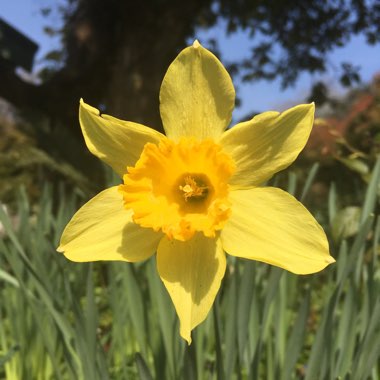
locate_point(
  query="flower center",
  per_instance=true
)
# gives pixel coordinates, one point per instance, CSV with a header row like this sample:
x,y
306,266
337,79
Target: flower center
x,y
180,188
194,188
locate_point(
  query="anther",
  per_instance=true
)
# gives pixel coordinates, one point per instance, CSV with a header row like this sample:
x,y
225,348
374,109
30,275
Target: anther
x,y
193,189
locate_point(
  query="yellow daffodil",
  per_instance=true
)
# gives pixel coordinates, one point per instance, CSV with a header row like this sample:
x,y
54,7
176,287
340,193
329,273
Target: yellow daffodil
x,y
195,193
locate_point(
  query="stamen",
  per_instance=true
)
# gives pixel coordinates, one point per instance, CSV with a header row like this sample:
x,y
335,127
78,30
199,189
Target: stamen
x,y
193,189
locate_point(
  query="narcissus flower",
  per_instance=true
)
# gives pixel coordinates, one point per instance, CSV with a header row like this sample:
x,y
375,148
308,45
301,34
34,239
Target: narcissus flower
x,y
195,194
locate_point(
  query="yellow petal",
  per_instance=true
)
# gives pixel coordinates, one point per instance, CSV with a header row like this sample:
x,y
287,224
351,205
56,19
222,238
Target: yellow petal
x,y
197,95
192,272
118,143
270,225
268,143
103,230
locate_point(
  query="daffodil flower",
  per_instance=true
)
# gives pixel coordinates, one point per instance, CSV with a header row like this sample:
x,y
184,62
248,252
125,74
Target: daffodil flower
x,y
194,195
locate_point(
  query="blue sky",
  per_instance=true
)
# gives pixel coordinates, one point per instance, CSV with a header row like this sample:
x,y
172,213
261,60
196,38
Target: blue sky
x,y
259,96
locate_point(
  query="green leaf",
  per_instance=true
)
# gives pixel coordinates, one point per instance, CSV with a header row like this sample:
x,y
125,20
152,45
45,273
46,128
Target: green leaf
x,y
309,180
371,193
166,319
230,327
346,223
218,342
332,209
355,164
136,305
142,368
8,356
296,339
245,294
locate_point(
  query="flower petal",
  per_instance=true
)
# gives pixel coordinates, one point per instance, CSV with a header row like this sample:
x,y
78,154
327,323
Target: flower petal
x,y
197,95
192,272
118,143
103,229
270,225
268,143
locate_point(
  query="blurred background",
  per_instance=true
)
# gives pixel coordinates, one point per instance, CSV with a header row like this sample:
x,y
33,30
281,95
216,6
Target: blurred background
x,y
62,320
114,55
